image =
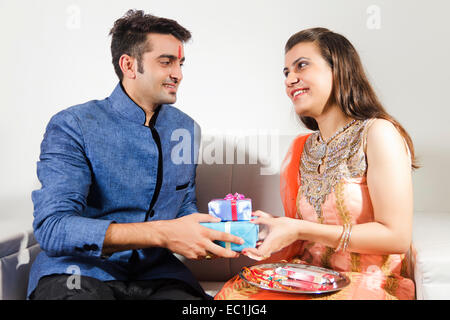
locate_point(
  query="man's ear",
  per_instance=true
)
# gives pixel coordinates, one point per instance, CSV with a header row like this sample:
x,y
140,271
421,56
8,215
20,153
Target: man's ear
x,y
127,65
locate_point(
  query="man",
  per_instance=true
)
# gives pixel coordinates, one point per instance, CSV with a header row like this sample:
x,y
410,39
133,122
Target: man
x,y
114,205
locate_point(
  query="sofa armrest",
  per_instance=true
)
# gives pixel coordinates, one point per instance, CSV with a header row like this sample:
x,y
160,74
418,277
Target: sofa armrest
x,y
18,247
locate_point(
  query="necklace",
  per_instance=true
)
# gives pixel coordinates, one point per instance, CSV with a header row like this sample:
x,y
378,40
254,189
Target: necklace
x,y
322,148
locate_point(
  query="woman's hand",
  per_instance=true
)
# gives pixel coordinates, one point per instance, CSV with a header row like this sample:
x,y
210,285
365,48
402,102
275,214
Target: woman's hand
x,y
279,232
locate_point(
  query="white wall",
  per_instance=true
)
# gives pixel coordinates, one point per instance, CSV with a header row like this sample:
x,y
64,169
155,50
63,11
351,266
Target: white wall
x,y
55,53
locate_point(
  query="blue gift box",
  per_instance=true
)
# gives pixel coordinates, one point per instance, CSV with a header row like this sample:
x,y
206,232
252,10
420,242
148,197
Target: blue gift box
x,y
244,229
233,209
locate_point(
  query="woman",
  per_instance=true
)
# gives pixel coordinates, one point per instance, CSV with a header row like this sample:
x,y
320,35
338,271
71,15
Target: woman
x,y
347,187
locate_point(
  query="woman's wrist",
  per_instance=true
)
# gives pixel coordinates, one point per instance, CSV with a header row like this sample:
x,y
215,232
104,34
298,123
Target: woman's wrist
x,y
328,235
301,228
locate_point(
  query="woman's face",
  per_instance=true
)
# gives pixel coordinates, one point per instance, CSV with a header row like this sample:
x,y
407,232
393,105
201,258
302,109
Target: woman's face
x,y
309,79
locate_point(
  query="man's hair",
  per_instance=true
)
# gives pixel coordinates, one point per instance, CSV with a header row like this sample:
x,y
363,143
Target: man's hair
x,y
129,36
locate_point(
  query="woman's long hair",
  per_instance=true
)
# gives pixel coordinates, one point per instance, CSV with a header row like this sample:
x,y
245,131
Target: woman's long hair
x,y
351,91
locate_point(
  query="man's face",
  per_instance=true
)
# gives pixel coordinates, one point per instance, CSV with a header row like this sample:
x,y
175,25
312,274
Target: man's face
x,y
158,84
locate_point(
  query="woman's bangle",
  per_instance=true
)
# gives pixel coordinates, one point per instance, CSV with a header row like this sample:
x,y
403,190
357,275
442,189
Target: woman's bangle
x,y
345,238
341,238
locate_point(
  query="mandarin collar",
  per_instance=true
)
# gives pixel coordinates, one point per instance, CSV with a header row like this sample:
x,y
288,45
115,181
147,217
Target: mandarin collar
x,y
123,104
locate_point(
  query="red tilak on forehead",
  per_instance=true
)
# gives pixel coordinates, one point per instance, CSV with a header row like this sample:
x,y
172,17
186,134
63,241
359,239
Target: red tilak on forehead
x,y
179,52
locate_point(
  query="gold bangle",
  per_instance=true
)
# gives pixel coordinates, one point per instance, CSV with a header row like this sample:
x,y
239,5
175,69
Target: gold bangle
x,y
342,238
347,239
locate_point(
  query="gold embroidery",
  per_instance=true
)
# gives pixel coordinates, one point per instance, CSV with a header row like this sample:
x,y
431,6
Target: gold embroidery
x,y
299,197
391,284
345,158
385,264
356,261
238,290
389,296
404,268
346,218
244,291
297,260
340,203
325,260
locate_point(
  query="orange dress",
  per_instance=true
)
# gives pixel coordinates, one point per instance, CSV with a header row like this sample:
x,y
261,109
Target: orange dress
x,y
336,196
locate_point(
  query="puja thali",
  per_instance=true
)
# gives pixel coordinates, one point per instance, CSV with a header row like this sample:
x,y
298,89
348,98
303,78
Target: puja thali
x,y
294,278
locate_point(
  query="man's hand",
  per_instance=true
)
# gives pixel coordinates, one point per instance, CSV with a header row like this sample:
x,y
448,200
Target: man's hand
x,y
187,237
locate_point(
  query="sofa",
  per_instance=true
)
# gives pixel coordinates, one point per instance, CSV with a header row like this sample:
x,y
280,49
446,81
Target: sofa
x,y
240,166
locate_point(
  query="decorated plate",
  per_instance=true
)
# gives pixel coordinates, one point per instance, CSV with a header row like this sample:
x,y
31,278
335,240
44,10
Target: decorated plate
x,y
306,279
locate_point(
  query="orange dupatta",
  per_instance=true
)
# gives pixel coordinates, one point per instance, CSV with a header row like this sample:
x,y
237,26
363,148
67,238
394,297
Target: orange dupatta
x,y
289,184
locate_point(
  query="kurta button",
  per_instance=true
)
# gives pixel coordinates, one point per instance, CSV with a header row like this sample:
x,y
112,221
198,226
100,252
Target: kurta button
x,y
152,213
92,247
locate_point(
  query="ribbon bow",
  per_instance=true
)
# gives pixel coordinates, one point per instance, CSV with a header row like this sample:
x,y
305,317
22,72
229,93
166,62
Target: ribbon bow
x,y
234,198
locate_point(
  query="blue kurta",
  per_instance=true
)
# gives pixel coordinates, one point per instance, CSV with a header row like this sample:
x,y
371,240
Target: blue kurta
x,y
100,164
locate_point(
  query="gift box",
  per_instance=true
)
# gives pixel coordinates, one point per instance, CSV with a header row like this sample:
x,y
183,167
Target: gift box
x,y
243,229
231,208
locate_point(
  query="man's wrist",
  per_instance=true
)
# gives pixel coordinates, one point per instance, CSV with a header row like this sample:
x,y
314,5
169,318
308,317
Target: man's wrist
x,y
155,233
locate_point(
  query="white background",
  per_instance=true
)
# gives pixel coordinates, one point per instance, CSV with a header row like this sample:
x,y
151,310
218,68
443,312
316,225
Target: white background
x,y
55,53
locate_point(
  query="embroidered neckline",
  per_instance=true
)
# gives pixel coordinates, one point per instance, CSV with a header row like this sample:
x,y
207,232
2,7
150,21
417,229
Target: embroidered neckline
x,y
344,158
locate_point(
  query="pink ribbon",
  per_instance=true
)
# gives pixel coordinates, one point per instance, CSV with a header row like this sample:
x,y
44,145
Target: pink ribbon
x,y
236,196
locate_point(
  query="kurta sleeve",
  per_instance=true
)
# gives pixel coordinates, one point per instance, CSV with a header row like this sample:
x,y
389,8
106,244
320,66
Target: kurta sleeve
x,y
65,175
